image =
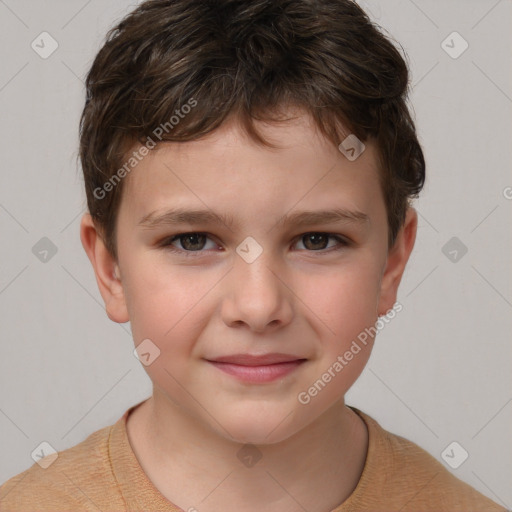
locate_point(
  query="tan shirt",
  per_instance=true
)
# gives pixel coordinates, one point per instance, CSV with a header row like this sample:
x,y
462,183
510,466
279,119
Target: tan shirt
x,y
102,473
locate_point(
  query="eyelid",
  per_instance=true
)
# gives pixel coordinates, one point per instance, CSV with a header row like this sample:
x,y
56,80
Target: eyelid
x,y
166,243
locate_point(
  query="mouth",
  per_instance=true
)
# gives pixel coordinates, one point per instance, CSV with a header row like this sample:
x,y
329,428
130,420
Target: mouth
x,y
262,368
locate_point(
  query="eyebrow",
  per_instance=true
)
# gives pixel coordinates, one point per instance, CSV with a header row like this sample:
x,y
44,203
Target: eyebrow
x,y
196,217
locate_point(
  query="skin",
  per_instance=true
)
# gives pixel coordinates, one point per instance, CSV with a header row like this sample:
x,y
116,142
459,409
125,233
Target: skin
x,y
291,299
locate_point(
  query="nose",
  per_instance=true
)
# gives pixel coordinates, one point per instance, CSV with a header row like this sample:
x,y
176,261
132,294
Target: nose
x,y
257,296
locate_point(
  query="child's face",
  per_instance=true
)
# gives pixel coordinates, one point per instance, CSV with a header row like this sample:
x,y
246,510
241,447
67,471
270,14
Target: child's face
x,y
211,302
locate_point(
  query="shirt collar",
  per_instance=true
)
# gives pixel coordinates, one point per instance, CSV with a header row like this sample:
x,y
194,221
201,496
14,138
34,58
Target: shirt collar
x,y
139,492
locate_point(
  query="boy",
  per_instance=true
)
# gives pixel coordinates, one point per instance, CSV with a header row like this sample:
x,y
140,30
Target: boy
x,y
248,169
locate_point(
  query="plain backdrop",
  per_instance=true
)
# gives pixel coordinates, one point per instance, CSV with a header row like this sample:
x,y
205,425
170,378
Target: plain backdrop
x,y
440,371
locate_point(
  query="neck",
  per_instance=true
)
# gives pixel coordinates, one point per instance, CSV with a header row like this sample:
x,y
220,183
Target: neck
x,y
193,467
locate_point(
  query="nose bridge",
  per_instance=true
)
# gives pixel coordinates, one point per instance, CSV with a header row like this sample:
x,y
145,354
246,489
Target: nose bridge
x,y
254,272
258,295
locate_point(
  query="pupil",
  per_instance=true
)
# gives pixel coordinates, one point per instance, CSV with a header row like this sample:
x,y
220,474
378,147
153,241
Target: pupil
x,y
193,239
317,239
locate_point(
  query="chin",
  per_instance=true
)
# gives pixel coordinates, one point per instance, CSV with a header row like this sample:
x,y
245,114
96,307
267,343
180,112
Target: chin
x,y
257,428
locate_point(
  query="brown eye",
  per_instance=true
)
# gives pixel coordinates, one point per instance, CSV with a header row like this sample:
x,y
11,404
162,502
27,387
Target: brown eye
x,y
188,243
192,241
315,241
319,242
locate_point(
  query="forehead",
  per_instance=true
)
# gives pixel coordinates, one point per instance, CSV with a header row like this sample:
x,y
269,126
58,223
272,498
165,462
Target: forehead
x,y
228,168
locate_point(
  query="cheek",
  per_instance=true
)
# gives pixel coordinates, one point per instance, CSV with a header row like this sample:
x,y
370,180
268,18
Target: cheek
x,y
168,307
167,304
345,299
346,302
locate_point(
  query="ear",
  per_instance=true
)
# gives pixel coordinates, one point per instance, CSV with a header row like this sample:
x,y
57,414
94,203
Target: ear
x,y
106,270
398,255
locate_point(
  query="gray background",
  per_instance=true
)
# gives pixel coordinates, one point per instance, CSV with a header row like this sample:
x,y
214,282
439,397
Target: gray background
x,y
440,371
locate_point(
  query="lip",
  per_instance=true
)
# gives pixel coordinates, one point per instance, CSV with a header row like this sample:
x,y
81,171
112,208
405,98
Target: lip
x,y
254,368
256,360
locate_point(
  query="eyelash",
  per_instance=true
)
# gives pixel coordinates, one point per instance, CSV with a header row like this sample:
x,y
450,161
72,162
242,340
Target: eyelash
x,y
343,243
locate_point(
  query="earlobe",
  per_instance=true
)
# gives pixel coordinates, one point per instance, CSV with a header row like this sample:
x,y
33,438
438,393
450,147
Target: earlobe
x,y
106,270
397,259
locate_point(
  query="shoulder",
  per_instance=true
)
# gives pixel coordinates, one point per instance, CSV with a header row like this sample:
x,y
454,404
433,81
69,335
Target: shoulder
x,y
75,480
414,479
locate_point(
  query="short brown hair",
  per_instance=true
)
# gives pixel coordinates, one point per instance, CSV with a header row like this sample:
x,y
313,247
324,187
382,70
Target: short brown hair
x,y
247,59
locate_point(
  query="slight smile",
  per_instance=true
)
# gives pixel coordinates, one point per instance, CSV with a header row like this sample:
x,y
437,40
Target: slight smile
x,y
263,368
